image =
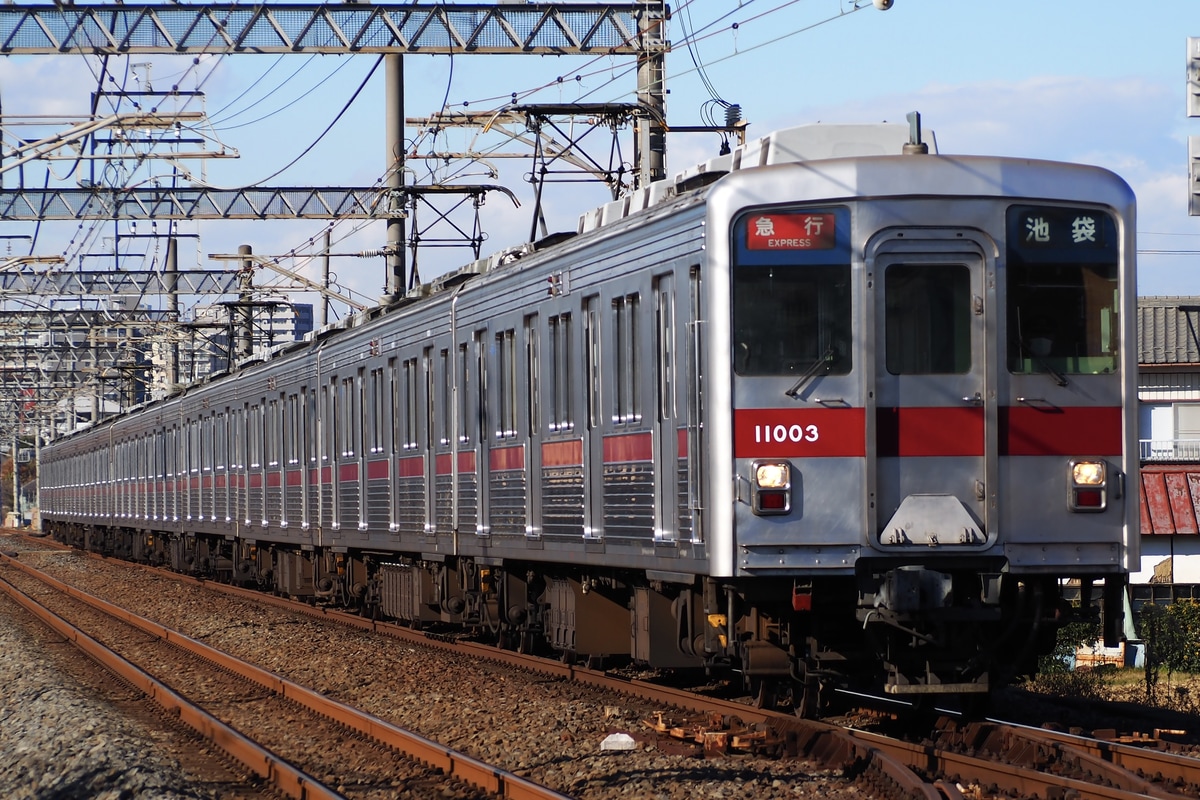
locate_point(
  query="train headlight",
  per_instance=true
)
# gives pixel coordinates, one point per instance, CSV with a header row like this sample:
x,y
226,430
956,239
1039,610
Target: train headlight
x,y
772,476
772,488
1088,489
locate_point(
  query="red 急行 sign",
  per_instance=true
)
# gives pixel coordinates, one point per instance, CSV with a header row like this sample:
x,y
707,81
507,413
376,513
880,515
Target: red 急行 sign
x,y
791,232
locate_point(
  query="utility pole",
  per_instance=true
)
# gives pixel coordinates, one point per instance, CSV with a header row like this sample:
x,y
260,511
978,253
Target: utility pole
x,y
324,318
16,506
244,329
651,93
393,67
171,278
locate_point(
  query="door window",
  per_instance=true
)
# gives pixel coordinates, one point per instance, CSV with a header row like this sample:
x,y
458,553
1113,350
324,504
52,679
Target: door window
x,y
928,310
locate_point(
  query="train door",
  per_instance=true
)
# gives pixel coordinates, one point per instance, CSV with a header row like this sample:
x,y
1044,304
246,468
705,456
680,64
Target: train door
x,y
360,443
331,406
436,413
505,480
312,464
441,476
532,423
669,511
593,438
476,514
627,481
934,444
692,462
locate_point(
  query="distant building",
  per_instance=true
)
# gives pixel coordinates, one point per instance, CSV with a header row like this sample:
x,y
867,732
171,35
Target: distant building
x,y
1169,440
205,340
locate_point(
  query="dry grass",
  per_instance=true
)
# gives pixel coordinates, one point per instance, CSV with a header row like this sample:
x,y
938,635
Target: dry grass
x,y
1176,692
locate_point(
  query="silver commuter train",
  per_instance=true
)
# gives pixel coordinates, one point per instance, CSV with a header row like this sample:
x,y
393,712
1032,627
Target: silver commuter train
x,y
820,417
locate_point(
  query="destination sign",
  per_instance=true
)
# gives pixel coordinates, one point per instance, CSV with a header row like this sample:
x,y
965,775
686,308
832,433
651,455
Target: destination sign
x,y
791,231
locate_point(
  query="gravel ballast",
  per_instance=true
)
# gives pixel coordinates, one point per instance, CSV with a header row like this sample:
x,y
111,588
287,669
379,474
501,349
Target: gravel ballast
x,y
543,729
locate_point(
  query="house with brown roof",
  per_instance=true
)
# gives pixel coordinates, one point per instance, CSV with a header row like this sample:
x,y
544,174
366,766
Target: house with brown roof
x,y
1169,439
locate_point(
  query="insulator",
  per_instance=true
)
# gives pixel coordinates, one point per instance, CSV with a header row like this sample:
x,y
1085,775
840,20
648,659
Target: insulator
x,y
733,115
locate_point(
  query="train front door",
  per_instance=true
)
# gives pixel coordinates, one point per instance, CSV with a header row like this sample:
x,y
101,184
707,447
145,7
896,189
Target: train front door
x,y
934,447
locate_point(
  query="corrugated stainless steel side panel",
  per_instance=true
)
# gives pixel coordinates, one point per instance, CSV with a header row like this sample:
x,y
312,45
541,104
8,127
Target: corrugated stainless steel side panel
x,y
509,489
629,500
468,501
410,505
562,501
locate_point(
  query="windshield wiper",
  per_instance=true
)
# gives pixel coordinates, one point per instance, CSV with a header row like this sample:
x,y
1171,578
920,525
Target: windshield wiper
x,y
1059,378
825,359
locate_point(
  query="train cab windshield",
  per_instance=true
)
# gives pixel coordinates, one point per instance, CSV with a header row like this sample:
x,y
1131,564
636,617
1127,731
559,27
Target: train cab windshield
x,y
1063,296
791,320
791,293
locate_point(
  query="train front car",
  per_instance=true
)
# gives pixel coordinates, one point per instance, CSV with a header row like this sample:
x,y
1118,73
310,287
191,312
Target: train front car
x,y
928,361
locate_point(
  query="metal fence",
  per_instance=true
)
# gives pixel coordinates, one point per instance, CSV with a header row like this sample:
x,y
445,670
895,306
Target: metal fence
x,y
1158,450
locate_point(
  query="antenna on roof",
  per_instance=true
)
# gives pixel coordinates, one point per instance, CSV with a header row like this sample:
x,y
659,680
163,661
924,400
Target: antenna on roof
x,y
915,146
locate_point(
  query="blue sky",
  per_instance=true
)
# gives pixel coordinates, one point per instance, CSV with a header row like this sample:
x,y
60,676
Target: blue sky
x,y
1096,81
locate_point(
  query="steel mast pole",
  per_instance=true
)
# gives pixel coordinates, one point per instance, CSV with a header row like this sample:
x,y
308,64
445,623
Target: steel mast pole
x,y
651,95
393,68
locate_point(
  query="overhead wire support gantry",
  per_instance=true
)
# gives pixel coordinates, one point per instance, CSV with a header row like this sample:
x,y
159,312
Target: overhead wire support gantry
x,y
392,30
341,28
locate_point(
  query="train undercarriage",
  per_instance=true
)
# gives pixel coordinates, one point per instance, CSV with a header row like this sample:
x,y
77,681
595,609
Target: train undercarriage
x,y
912,632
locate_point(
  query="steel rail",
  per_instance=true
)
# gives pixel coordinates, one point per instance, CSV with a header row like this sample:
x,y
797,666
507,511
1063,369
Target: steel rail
x,y
1131,758
453,763
899,763
262,762
1023,781
821,741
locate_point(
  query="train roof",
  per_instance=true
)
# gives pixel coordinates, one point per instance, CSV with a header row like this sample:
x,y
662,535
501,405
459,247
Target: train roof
x,y
797,145
812,142
815,142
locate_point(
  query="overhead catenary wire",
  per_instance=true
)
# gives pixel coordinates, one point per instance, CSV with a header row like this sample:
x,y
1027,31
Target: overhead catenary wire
x,y
346,107
274,112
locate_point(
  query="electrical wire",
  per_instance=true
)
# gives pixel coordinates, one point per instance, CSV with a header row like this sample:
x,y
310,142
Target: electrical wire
x,y
321,136
215,117
306,91
691,40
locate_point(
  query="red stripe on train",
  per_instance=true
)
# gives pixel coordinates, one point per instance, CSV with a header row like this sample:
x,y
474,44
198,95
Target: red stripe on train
x,y
466,463
799,432
411,467
627,447
563,454
940,431
1061,431
927,431
507,458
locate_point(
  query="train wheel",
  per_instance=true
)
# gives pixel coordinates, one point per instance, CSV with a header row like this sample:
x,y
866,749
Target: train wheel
x,y
765,696
809,706
528,644
509,639
774,694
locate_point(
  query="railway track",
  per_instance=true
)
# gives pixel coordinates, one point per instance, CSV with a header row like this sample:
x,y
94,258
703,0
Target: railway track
x,y
959,760
265,722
